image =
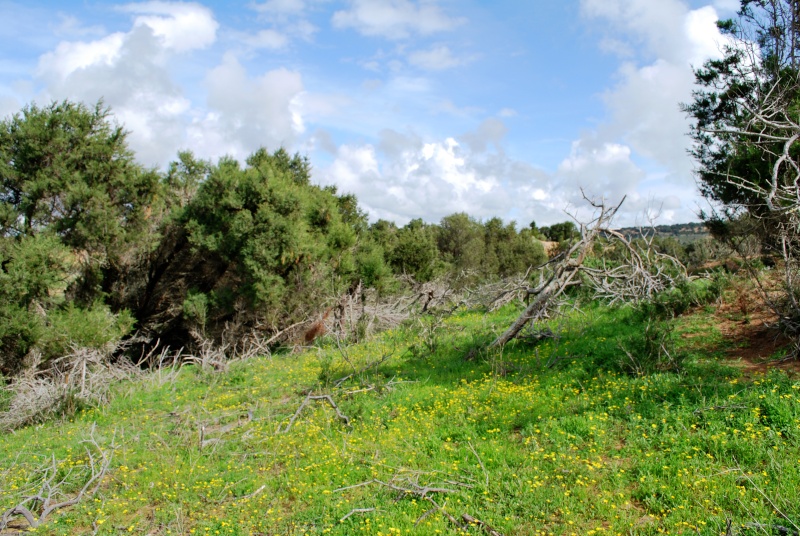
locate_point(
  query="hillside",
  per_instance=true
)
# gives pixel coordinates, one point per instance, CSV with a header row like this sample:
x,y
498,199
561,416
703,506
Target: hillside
x,y
547,437
683,232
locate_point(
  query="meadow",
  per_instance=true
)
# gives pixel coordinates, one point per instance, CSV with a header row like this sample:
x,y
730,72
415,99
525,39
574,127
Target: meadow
x,y
548,436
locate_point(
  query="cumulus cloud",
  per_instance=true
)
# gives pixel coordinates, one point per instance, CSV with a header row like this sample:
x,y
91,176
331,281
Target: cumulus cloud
x,y
395,19
248,112
660,43
133,73
128,72
181,26
404,176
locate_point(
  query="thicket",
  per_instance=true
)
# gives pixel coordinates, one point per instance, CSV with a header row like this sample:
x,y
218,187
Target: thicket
x,y
95,248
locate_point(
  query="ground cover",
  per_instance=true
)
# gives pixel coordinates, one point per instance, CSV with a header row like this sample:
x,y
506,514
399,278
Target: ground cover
x,y
548,436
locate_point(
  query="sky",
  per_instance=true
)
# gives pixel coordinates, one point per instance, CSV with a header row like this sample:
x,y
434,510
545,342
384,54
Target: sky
x,y
422,108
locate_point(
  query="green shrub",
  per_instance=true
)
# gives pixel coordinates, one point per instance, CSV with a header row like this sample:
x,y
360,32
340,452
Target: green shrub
x,y
94,327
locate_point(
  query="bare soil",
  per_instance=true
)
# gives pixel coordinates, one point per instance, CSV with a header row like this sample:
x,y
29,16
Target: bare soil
x,y
757,345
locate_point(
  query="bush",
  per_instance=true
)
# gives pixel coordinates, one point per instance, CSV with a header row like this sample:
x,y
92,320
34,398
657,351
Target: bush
x,y
651,350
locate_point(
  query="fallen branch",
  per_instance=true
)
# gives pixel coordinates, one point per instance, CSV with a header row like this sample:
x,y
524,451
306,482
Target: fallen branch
x,y
482,524
49,489
327,398
483,467
418,491
446,514
564,272
357,511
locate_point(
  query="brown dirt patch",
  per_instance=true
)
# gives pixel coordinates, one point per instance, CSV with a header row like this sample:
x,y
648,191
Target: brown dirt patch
x,y
756,341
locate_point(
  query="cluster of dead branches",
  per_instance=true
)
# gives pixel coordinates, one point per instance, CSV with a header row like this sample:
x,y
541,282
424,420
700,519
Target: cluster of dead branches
x,y
409,486
47,495
82,377
769,207
639,274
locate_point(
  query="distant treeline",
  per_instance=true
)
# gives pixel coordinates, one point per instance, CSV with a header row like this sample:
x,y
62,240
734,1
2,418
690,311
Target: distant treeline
x,y
684,232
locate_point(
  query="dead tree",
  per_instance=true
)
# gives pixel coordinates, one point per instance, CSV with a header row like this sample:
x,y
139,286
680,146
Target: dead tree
x,y
769,205
565,268
641,273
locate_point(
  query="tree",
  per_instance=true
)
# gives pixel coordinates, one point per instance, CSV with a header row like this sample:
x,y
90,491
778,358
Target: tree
x,y
414,252
75,211
561,232
65,169
746,136
461,241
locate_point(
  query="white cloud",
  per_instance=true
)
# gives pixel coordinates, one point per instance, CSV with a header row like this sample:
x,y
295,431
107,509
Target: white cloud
x,y
270,39
249,112
437,58
491,131
282,7
128,72
69,57
395,19
406,177
661,42
72,27
182,26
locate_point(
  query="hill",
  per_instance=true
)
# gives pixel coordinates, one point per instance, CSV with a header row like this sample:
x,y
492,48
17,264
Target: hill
x,y
404,434
683,232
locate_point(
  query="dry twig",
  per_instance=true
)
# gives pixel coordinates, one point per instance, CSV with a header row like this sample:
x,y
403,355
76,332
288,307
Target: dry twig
x,y
45,500
327,398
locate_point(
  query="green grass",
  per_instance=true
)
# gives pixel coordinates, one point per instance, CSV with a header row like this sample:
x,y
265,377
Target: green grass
x,y
576,447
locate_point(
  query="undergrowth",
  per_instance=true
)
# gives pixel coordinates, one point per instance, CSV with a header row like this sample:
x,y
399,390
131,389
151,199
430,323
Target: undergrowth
x,y
551,435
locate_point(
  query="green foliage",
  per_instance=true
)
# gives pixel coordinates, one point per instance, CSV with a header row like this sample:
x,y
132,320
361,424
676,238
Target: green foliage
x,y
415,252
461,242
74,211
195,309
87,327
561,232
653,349
65,169
681,298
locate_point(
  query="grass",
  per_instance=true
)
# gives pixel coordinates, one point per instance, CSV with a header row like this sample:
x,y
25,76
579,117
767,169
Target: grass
x,y
546,437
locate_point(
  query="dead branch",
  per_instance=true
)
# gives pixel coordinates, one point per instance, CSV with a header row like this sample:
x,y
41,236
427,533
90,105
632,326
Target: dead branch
x,y
482,524
445,513
356,511
483,467
564,271
414,489
327,398
45,500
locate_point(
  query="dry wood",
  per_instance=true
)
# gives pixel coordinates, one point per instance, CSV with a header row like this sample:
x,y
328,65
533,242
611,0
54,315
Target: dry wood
x,y
326,398
485,526
44,499
483,467
564,271
356,511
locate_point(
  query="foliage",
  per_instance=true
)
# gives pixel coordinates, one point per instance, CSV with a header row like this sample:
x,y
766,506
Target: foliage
x,y
256,243
74,208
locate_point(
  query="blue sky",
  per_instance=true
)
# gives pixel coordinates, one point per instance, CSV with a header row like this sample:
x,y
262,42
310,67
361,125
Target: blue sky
x,y
421,108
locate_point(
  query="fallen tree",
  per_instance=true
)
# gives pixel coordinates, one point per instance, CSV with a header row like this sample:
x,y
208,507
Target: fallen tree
x,y
640,274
